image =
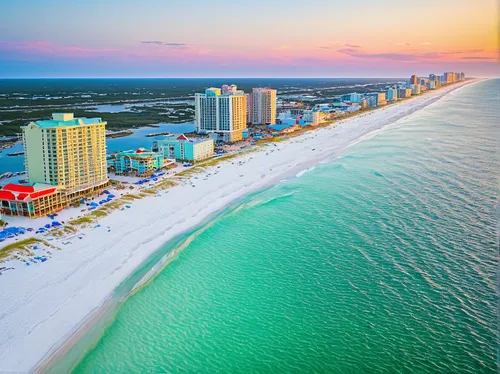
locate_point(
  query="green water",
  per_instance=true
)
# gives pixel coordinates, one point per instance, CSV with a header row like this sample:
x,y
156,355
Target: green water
x,y
383,261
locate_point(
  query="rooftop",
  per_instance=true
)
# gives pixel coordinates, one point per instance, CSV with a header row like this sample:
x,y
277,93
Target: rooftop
x,y
183,137
138,153
67,119
24,192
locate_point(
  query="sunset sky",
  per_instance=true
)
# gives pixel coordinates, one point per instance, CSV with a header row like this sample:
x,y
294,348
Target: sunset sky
x,y
239,38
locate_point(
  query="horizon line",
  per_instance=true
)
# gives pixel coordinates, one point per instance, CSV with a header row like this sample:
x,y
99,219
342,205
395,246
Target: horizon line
x,y
234,77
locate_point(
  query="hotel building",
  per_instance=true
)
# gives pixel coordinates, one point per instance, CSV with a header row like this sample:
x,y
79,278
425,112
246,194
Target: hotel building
x,y
312,117
184,149
392,94
249,107
415,89
65,160
141,163
221,113
375,99
352,97
414,79
404,93
263,106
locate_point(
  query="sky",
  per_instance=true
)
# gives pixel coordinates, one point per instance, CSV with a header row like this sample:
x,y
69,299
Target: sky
x,y
240,38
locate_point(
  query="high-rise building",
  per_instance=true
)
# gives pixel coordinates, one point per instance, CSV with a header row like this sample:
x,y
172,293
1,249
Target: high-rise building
x,y
249,107
415,89
221,113
263,106
414,79
462,76
432,77
450,77
65,160
392,94
404,92
374,99
66,152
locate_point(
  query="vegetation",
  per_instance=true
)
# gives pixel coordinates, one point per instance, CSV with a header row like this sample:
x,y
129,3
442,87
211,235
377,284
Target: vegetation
x,y
21,246
25,100
81,221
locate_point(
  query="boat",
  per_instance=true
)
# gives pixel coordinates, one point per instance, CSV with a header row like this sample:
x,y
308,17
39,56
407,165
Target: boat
x,y
166,133
15,153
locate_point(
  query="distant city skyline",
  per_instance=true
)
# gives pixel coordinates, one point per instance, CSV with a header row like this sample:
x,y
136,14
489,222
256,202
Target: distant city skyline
x,y
321,38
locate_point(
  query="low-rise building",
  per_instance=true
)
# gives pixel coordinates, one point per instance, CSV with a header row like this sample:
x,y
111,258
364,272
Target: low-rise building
x,y
290,129
140,162
352,97
312,117
31,200
185,149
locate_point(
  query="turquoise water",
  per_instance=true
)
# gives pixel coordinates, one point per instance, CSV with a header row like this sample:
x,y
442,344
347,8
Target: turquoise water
x,y
383,261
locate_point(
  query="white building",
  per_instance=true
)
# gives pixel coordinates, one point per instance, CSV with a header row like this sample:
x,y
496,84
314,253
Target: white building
x,y
263,106
415,89
221,112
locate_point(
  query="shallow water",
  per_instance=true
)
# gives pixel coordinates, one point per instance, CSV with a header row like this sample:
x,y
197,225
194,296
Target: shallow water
x,y
381,261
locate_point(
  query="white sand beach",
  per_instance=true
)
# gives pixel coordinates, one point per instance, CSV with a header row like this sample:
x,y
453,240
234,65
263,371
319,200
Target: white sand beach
x,y
43,306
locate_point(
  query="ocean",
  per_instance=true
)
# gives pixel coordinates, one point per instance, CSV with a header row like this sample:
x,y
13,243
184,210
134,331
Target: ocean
x,y
382,261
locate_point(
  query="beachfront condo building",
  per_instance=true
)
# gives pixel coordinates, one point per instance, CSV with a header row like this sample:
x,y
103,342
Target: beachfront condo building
x,y
65,160
374,99
140,162
263,106
404,93
392,94
413,79
249,98
183,148
312,117
352,97
451,77
415,89
222,113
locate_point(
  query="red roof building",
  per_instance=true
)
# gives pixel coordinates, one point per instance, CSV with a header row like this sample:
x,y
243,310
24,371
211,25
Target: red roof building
x,y
28,200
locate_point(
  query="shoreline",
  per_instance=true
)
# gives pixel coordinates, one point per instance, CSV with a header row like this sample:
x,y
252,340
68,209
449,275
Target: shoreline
x,y
145,244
